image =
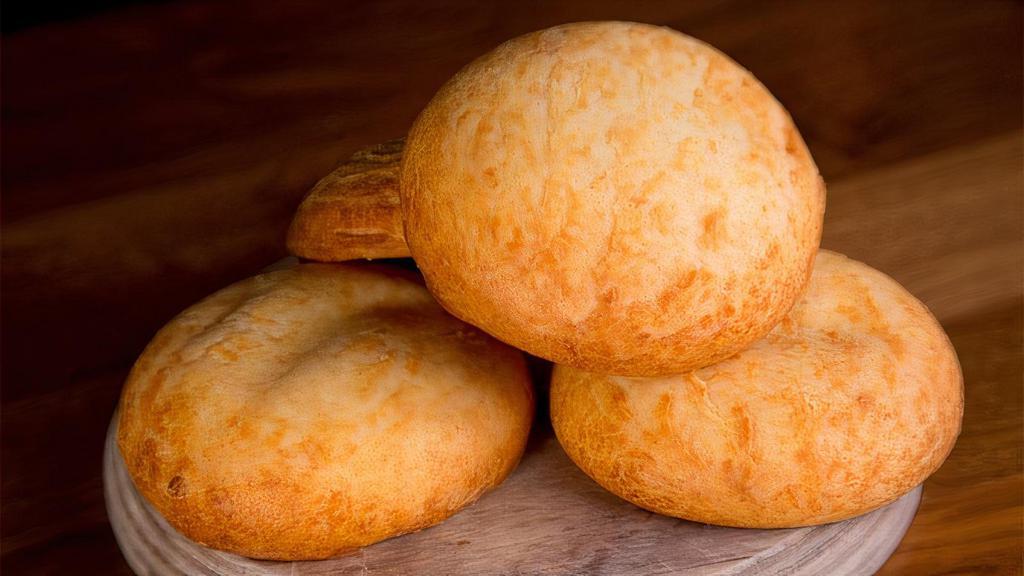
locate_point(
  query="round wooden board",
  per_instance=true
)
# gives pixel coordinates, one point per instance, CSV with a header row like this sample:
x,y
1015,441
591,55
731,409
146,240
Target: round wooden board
x,y
547,518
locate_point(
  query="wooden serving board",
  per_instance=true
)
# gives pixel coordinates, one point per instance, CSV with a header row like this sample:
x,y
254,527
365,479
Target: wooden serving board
x,y
547,518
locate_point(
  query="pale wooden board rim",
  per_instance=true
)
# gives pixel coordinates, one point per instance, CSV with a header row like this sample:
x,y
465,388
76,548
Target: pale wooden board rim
x,y
602,535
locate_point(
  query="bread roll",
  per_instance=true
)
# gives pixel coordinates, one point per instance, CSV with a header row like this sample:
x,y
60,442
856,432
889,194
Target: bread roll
x,y
612,196
854,399
314,410
352,213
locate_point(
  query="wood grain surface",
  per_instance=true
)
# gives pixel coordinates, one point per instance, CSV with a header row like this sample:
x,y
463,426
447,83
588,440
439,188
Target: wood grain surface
x,y
547,518
152,155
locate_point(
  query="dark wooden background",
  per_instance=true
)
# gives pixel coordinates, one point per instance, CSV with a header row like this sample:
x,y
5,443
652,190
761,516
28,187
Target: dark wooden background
x,y
153,154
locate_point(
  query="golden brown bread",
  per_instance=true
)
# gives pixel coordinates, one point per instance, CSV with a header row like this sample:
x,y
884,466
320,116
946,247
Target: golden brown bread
x,y
854,399
313,410
613,196
353,212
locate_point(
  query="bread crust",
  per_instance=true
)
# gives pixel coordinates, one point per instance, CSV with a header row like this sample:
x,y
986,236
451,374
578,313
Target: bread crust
x,y
854,399
310,411
613,196
353,213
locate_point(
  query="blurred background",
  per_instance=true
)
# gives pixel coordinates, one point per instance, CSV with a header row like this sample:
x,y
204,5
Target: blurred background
x,y
153,152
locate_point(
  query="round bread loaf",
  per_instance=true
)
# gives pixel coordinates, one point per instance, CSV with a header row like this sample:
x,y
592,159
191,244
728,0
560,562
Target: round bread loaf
x,y
317,409
854,399
617,197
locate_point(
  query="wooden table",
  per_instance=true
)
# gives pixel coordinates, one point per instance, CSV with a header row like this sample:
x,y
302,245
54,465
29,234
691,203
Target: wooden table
x,y
153,154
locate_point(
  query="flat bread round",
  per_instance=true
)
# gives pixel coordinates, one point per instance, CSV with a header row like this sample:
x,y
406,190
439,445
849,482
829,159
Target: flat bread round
x,y
317,409
617,197
854,399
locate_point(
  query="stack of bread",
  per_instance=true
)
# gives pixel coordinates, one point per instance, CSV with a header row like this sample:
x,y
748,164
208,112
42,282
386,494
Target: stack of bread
x,y
617,198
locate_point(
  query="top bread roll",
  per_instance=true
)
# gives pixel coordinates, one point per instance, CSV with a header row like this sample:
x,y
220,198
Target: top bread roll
x,y
617,197
313,410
